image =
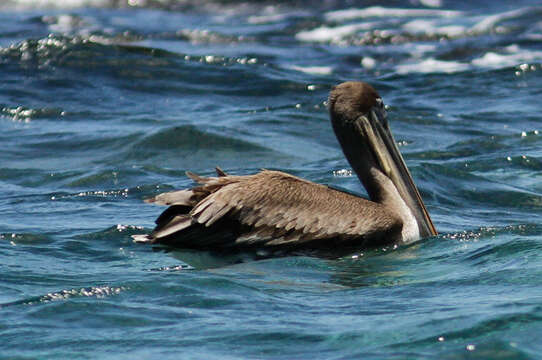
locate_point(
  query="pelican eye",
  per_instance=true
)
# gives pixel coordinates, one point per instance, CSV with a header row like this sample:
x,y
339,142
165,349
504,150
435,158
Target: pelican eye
x,y
382,114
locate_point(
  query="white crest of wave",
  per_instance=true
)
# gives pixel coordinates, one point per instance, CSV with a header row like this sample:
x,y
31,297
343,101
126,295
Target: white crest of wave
x,y
379,11
431,3
33,4
513,56
325,33
430,27
317,70
490,22
432,65
275,17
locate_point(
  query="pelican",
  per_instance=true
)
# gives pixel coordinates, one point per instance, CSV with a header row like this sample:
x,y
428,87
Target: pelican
x,y
276,211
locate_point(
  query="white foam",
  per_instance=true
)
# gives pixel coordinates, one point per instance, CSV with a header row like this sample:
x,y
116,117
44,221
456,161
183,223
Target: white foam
x,y
534,37
490,22
379,11
451,30
368,62
431,3
325,33
275,17
429,27
266,19
419,50
63,23
514,57
31,4
432,65
511,56
419,25
318,70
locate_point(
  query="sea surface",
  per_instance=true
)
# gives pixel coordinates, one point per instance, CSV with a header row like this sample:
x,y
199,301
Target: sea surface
x,y
106,102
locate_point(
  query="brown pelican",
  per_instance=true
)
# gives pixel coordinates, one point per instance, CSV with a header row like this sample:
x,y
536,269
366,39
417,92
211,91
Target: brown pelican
x,y
273,210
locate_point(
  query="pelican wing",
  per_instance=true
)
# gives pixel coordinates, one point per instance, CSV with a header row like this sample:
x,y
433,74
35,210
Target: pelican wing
x,y
270,208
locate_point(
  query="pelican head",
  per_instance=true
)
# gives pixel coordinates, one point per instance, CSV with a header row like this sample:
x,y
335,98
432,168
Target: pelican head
x,y
360,123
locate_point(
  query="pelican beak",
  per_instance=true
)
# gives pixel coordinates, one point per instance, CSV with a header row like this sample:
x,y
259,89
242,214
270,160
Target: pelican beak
x,y
384,148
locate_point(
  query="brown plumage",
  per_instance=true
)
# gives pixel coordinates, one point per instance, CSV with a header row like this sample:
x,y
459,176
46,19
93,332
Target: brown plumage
x,y
276,211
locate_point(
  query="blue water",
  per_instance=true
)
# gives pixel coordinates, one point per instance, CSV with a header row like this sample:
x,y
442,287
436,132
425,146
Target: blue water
x,y
104,103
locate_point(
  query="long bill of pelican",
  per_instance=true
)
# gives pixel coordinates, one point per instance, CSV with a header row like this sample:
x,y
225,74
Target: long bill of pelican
x,y
373,127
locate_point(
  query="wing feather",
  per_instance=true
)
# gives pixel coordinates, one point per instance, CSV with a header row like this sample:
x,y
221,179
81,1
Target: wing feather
x,y
179,197
178,223
273,208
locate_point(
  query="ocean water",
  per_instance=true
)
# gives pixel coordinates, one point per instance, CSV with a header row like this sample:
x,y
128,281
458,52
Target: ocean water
x,y
106,102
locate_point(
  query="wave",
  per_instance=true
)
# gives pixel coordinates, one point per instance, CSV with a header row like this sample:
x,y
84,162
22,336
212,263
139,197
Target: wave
x,y
102,51
93,291
26,239
24,114
229,7
411,34
179,145
37,4
387,12
423,40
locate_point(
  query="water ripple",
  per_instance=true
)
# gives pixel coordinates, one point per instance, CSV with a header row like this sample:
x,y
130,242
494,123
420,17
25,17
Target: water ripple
x,y
97,292
106,102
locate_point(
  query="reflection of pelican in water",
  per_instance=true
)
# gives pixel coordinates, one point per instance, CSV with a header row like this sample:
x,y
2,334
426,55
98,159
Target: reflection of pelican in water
x,y
276,211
